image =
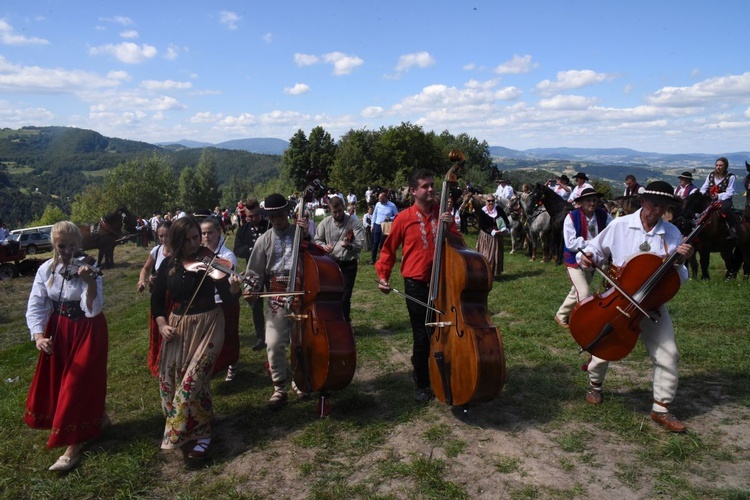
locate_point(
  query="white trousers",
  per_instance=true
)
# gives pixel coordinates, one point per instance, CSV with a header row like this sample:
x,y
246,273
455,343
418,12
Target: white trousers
x,y
581,281
278,329
658,338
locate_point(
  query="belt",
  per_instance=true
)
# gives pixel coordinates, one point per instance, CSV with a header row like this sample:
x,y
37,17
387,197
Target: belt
x,y
70,309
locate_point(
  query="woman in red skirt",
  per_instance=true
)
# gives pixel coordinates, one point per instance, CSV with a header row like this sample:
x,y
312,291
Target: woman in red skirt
x,y
65,318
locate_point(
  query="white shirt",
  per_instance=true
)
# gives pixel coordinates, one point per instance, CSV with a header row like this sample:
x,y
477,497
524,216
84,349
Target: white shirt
x,y
227,254
562,192
504,191
351,199
576,192
624,236
43,292
728,193
575,243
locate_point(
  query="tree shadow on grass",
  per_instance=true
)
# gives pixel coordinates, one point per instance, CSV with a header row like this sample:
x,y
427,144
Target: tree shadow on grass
x,y
507,278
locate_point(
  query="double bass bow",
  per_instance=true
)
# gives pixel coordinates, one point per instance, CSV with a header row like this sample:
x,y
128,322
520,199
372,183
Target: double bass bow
x,y
608,325
323,350
467,362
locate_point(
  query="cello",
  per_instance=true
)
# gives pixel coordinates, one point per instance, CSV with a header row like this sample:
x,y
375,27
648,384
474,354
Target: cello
x,y
608,325
323,350
467,362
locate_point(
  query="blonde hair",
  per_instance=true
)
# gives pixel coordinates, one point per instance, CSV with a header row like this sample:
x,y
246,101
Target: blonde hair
x,y
61,229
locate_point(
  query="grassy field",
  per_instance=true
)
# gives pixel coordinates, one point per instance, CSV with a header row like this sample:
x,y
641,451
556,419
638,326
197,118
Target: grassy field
x,y
539,439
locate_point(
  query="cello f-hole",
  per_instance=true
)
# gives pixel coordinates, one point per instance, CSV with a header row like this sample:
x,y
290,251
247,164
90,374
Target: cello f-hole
x,y
459,332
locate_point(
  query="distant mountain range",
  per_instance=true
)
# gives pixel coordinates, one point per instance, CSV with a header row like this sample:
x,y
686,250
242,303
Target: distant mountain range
x,y
262,145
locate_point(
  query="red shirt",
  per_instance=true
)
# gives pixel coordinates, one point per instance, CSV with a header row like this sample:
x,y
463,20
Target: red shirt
x,y
418,237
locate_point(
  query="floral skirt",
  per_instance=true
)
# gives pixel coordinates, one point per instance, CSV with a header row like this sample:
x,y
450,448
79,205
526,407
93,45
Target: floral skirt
x,y
69,387
187,362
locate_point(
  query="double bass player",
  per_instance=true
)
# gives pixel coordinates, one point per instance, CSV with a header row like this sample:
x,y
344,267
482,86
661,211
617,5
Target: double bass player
x,y
416,228
625,237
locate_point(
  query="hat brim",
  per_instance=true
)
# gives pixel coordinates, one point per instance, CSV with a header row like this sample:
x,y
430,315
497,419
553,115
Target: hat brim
x,y
592,195
277,210
661,199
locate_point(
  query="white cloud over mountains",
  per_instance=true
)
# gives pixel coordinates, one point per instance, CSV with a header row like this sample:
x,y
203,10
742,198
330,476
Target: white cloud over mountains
x,y
8,36
342,63
127,52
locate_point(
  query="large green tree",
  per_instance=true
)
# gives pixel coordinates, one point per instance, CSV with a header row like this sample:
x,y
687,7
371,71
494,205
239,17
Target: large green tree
x,y
304,155
143,186
295,161
185,190
355,166
206,192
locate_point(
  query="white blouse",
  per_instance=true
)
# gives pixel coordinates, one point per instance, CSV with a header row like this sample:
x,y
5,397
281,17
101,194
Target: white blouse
x,y
43,292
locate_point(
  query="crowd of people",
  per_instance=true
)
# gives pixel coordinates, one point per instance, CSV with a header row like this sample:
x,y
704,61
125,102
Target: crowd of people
x,y
196,290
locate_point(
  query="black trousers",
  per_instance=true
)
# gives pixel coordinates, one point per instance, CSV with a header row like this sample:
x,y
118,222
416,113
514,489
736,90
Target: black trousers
x,y
420,356
378,238
349,272
727,208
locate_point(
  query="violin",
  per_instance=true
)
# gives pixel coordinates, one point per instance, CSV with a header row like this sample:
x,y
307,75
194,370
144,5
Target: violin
x,y
608,325
218,268
349,239
79,260
467,361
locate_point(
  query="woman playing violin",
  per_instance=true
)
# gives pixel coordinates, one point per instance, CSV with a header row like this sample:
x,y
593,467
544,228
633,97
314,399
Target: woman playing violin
x,y
193,335
155,258
67,325
644,231
211,238
271,261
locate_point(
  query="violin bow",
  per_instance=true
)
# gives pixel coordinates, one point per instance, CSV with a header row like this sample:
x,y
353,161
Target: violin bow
x,y
409,297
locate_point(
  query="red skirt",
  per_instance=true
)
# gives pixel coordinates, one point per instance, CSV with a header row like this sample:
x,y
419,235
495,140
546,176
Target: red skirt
x,y
155,341
230,352
69,387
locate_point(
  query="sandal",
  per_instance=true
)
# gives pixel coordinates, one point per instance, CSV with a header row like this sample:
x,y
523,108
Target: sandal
x,y
231,372
200,450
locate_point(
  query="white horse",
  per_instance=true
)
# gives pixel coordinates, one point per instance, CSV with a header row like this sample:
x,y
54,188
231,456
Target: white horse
x,y
539,224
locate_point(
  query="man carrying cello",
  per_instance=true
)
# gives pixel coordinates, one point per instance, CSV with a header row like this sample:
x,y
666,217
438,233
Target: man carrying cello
x,y
416,228
644,231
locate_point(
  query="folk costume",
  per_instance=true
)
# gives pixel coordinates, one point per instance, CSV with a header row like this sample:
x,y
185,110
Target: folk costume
x,y
417,232
578,189
493,224
349,231
230,351
244,243
154,337
623,238
69,387
724,189
578,230
683,192
187,361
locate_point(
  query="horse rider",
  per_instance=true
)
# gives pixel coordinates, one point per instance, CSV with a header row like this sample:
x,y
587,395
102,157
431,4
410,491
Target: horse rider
x,y
686,186
632,188
581,184
719,185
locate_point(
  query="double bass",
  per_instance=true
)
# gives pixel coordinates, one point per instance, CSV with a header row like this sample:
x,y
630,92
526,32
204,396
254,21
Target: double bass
x,y
608,325
322,341
467,362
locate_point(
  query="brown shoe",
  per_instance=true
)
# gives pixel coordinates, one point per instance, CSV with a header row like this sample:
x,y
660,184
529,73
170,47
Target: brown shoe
x,y
594,397
277,401
561,322
668,420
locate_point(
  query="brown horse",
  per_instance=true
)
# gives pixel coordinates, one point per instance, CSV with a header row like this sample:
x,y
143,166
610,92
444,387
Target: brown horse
x,y
105,234
713,238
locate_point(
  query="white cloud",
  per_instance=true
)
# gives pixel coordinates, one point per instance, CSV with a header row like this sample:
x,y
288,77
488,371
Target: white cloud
x,y
297,89
572,79
747,113
469,67
130,102
12,114
372,112
129,34
38,80
172,53
305,59
127,52
119,75
9,37
419,59
267,37
229,19
567,102
123,20
695,73
713,89
165,85
206,117
343,64
517,65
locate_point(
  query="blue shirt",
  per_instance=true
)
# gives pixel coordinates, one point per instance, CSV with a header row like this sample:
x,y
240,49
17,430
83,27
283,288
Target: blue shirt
x,y
383,211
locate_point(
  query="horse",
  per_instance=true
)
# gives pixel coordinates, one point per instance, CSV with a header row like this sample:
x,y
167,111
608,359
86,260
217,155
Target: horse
x,y
624,205
104,235
517,218
713,237
539,224
558,209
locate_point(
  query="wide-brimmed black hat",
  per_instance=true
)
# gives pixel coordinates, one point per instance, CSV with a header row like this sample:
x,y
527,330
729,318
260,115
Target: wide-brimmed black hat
x,y
275,204
587,193
564,177
660,192
581,175
685,175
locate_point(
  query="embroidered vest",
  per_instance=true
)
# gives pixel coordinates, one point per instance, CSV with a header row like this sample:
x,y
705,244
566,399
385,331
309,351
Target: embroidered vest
x,y
722,186
579,221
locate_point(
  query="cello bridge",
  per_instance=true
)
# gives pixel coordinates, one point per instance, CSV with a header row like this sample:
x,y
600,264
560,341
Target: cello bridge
x,y
623,312
440,324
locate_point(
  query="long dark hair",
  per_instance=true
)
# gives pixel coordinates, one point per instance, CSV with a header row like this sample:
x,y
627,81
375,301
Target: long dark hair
x,y
178,234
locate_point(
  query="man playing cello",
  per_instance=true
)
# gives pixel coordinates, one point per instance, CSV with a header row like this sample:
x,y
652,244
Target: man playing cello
x,y
644,231
416,228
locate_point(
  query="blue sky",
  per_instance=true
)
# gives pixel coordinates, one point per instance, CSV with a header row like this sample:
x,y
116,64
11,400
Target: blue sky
x,y
661,76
